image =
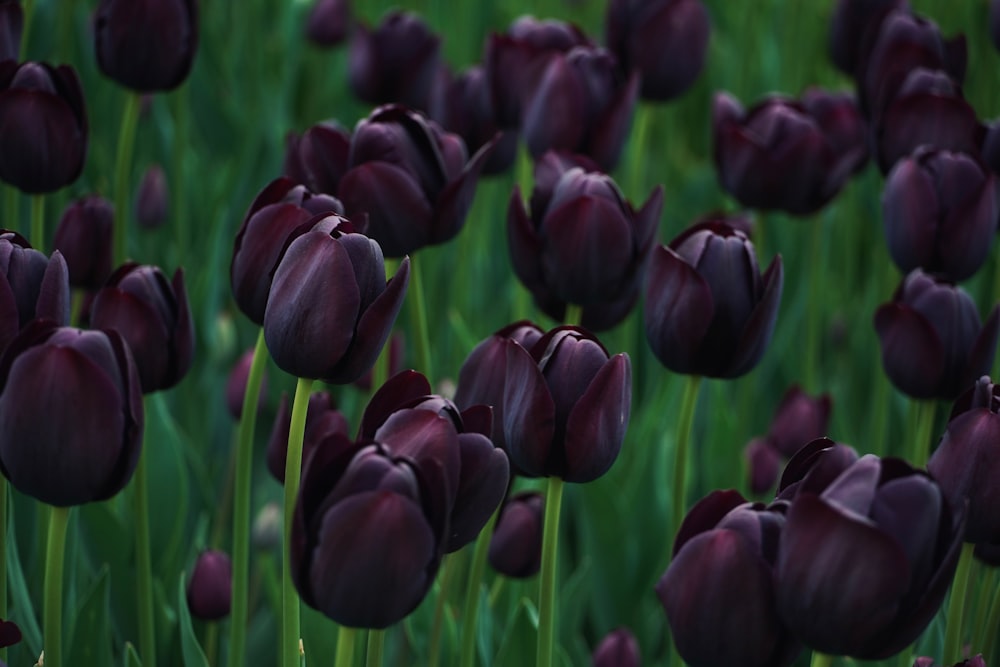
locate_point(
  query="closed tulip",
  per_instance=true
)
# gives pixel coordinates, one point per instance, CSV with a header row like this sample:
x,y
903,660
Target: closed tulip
x,y
330,309
154,318
43,126
70,414
852,28
414,181
318,158
11,24
395,62
146,45
863,566
210,588
709,311
323,422
718,591
666,41
84,239
152,199
31,286
328,22
516,545
937,323
583,243
619,648
566,405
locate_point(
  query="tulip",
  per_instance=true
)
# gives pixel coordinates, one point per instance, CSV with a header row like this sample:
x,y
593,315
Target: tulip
x,y
516,546
718,592
515,61
210,589
582,104
619,648
11,24
763,464
566,405
318,159
396,62
328,22
814,467
154,318
583,243
371,520
862,567
330,309
84,239
990,151
281,212
146,45
666,41
323,421
798,420
412,180
236,386
791,155
937,323
70,414
43,126
484,470
853,26
152,200
31,286
995,23
709,311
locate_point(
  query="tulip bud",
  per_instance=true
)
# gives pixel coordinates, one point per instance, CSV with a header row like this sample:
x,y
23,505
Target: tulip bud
x,y
853,26
31,286
516,545
43,126
396,62
318,159
763,464
328,22
154,318
146,45
152,199
84,239
323,421
704,315
210,589
236,385
11,24
798,420
70,414
619,648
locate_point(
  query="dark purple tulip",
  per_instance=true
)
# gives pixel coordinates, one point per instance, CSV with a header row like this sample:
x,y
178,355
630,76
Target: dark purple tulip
x,y
210,588
396,62
397,354
990,150
324,424
718,591
516,545
329,22
330,309
516,60
937,323
939,210
863,566
853,27
84,239
619,648
152,200
581,104
666,41
583,242
154,318
763,464
236,386
413,180
318,158
927,109
463,104
11,24
995,23
70,414
280,213
484,470
709,311
146,45
31,286
371,520
814,467
786,154
43,126
566,405
798,420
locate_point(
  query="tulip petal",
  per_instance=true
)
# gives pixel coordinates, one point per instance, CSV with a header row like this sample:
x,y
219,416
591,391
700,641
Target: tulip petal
x,y
482,486
398,391
607,137
910,211
973,226
528,412
398,211
983,349
678,312
453,204
54,295
706,515
595,428
524,243
183,338
647,221
552,116
905,335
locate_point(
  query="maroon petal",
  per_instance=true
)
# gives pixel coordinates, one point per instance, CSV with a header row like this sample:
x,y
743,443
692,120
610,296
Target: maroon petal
x,y
647,220
553,118
607,138
398,392
528,412
482,486
53,294
910,211
452,206
706,515
984,349
678,311
524,243
905,335
972,226
398,212
759,328
595,429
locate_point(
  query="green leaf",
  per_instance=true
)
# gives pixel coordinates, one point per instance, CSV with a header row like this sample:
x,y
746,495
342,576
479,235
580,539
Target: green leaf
x,y
518,645
91,644
131,657
22,611
190,649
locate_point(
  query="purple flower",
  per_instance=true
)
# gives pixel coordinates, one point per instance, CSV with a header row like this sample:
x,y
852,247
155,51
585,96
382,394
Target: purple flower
x,y
396,62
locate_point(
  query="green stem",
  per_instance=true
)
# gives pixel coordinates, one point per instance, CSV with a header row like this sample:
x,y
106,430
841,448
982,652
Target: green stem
x,y
123,169
956,606
573,315
987,595
241,504
13,212
821,660
547,583
992,629
28,8
684,425
470,613
376,644
418,318
923,416
640,134
448,567
38,222
289,649
345,647
179,185
212,641
814,307
54,557
3,553
144,567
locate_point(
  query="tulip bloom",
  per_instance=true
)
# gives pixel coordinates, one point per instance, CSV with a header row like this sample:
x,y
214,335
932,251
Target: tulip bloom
x,y
583,242
396,62
516,545
328,22
31,286
937,323
619,648
709,311
862,566
718,591
210,588
146,45
43,126
814,467
330,309
319,158
70,414
84,239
